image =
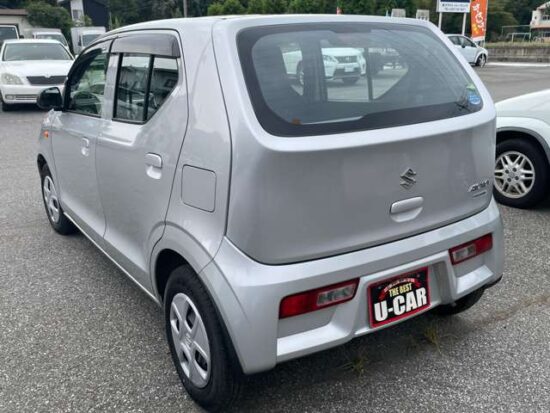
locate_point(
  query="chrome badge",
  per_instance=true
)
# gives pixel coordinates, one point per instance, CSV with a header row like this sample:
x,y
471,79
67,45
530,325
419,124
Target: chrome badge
x,y
408,178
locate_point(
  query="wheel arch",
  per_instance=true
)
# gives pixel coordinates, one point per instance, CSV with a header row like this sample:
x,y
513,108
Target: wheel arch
x,y
40,162
506,134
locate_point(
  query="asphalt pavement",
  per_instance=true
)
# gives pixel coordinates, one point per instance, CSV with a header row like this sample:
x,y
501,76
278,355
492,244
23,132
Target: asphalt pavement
x,y
77,336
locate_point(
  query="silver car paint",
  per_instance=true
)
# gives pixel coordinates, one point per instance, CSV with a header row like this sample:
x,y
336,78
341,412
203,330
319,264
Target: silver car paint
x,y
239,285
279,214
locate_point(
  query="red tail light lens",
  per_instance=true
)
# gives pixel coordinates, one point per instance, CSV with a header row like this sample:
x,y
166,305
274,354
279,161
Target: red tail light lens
x,y
471,249
318,299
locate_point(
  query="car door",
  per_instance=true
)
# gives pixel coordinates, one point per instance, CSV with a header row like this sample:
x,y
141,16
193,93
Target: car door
x,y
138,150
469,49
75,135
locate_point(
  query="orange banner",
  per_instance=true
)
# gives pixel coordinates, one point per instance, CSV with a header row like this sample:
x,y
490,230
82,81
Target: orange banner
x,y
478,16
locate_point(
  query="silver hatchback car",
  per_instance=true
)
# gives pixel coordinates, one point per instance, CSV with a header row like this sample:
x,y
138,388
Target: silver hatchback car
x,y
274,218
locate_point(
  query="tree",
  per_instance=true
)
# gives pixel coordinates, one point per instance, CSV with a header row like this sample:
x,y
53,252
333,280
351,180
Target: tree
x,y
126,11
275,6
233,7
42,14
255,7
215,9
307,6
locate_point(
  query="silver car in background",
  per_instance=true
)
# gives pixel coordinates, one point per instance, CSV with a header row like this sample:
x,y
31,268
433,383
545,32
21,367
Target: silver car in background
x,y
271,219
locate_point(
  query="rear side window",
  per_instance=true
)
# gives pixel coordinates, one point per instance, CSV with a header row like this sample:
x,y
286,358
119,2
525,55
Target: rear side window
x,y
341,77
144,83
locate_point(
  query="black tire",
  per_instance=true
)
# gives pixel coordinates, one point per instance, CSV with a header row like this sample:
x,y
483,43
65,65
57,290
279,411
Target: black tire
x,y
350,80
224,383
541,167
481,61
6,107
62,226
460,305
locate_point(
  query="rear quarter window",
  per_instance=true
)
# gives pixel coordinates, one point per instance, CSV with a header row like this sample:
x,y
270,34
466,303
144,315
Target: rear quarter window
x,y
316,79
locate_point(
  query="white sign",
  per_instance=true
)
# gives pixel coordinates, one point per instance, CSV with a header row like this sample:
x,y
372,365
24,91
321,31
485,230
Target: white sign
x,y
453,6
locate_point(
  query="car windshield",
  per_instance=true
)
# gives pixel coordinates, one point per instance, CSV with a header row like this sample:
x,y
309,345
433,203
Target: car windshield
x,y
337,77
35,51
89,38
52,36
7,33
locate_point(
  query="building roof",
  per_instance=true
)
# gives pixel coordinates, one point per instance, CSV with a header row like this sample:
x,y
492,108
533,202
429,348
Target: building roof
x,y
13,12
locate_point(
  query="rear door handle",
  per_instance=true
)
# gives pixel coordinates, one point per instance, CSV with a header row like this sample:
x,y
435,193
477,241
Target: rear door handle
x,y
85,149
154,165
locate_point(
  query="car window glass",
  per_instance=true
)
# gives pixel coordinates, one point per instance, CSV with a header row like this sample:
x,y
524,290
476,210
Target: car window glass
x,y
455,40
469,43
87,84
35,51
342,77
133,79
163,80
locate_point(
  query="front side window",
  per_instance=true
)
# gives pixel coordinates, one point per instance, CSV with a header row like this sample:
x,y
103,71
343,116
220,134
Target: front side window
x,y
35,51
144,83
87,84
339,77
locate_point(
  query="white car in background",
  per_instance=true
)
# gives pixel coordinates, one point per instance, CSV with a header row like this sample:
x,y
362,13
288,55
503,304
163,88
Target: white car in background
x,y
29,66
522,169
341,63
473,53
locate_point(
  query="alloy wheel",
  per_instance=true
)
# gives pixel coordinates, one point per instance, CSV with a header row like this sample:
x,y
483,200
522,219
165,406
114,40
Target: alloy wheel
x,y
190,340
514,174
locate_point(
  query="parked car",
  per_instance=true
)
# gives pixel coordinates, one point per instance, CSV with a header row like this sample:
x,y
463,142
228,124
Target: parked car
x,y
269,220
83,36
473,53
8,32
340,63
29,66
47,33
522,169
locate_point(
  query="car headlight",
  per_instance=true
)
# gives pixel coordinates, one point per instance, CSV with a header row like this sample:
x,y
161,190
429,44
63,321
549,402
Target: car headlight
x,y
9,79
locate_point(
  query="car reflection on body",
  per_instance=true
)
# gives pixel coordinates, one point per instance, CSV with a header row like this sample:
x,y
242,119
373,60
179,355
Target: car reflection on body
x,y
341,63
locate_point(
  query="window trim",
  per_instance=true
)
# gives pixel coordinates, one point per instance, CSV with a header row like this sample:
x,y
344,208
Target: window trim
x,y
76,64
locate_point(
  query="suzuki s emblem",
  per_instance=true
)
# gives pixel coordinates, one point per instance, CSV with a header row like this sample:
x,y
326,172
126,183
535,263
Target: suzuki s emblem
x,y
408,178
47,76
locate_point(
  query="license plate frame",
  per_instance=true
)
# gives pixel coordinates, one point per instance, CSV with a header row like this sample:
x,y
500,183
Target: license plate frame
x,y
403,285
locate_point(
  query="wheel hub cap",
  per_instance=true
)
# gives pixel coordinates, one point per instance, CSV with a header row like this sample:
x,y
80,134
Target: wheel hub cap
x,y
514,174
190,340
50,198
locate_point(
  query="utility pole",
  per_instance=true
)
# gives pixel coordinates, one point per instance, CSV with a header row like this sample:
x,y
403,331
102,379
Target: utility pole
x,y
464,24
184,8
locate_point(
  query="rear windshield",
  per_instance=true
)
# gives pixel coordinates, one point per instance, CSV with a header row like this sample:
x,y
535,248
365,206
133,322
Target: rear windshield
x,y
52,36
89,38
315,79
8,33
35,51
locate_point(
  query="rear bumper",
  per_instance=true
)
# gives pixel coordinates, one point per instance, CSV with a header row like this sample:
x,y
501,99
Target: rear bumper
x,y
248,293
26,94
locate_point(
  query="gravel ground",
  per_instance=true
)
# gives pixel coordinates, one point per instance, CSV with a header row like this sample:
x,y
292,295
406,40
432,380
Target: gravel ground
x,y
76,335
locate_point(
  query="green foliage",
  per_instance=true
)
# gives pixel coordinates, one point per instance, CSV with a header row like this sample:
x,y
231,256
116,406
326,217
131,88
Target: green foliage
x,y
255,7
311,6
125,11
233,7
275,6
42,14
87,21
215,9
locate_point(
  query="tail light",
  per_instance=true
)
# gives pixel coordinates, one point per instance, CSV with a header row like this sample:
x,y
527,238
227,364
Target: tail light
x,y
471,249
317,299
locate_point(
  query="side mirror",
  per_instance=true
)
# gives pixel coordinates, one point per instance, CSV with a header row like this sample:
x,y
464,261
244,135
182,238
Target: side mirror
x,y
463,46
50,99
